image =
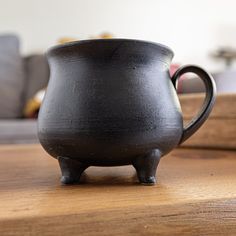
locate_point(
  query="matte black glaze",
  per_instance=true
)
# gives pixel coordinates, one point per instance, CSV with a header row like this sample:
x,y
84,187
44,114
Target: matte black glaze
x,y
112,102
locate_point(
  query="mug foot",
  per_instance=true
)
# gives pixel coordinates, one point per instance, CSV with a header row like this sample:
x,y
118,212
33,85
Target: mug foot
x,y
71,170
146,167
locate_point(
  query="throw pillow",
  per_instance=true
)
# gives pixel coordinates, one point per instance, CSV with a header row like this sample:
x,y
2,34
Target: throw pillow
x,y
11,77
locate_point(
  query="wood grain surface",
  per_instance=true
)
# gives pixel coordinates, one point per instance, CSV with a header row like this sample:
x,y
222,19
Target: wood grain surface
x,y
219,131
224,106
215,134
195,195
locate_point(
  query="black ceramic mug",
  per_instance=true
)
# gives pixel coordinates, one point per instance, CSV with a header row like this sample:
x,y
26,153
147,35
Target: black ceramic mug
x,y
112,102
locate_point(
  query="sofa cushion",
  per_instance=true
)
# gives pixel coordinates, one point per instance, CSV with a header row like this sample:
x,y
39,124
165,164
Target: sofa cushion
x,y
37,75
18,131
11,77
191,85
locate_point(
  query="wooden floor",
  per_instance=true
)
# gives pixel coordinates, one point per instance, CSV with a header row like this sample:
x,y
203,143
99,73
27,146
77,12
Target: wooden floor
x,y
195,195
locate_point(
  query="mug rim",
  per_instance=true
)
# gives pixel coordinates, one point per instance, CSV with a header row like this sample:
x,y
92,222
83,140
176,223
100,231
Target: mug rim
x,y
57,48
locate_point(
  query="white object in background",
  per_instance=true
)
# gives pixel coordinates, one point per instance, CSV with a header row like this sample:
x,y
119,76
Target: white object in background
x,y
226,81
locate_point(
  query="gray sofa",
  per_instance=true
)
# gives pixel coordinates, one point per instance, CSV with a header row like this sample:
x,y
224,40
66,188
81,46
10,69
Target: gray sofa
x,y
20,78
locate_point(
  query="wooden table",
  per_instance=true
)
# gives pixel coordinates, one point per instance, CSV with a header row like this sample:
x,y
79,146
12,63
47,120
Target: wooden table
x,y
196,195
221,120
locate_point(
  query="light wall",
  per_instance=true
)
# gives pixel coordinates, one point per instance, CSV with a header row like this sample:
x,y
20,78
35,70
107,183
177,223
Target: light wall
x,y
191,28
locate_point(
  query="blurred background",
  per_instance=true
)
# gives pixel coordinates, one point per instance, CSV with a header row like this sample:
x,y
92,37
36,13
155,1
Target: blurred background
x,y
199,32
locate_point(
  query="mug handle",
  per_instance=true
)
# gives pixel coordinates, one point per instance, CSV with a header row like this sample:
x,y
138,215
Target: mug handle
x,y
209,101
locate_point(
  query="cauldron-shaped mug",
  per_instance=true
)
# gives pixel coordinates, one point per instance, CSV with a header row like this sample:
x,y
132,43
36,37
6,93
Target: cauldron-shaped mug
x,y
112,102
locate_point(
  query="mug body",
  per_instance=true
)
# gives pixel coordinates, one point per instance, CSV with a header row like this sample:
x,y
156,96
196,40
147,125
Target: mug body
x,y
109,101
